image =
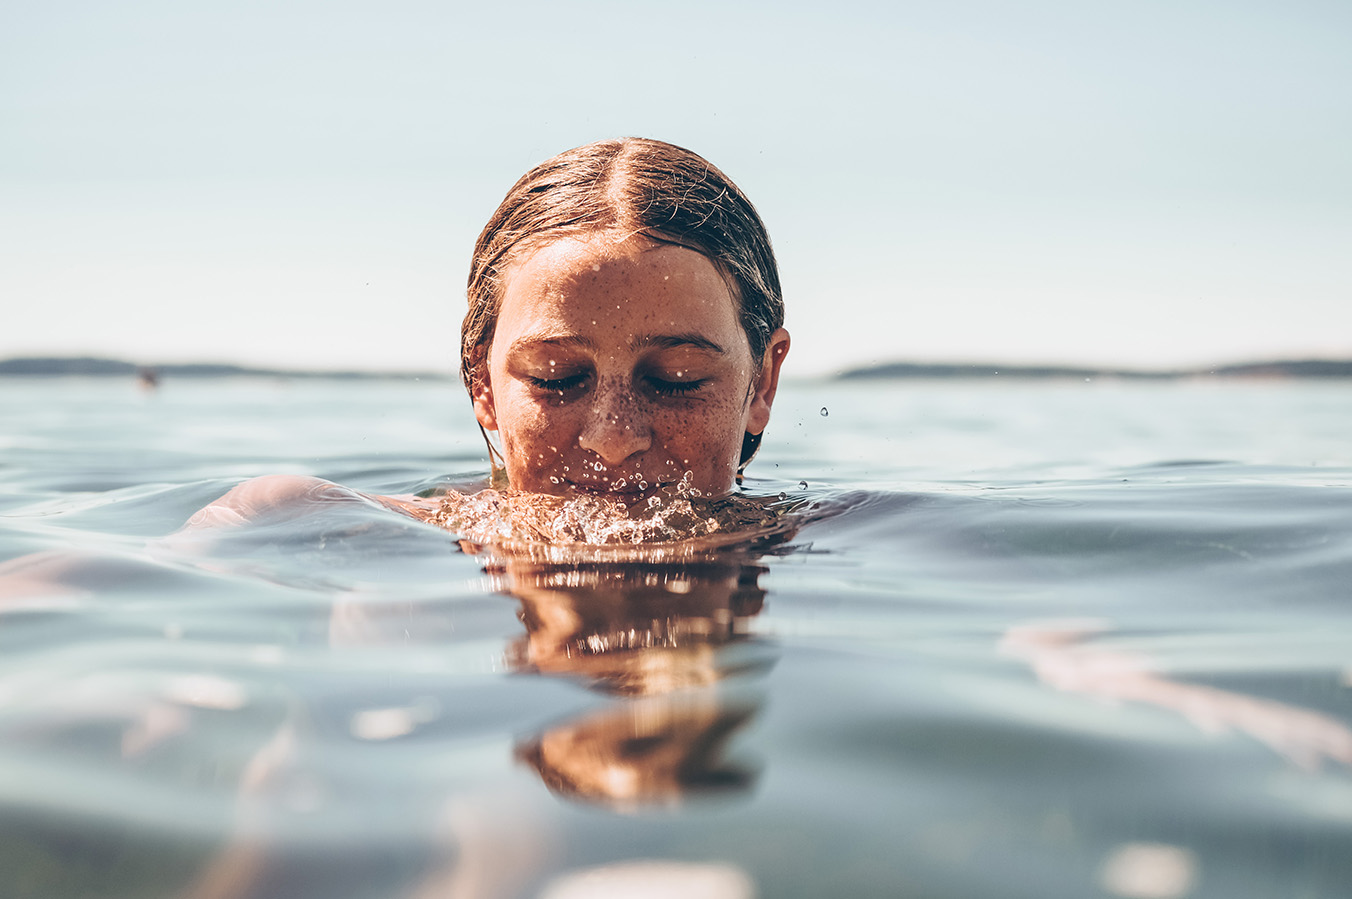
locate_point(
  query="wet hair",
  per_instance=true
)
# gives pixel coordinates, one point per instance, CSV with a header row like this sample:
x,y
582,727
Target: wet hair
x,y
635,186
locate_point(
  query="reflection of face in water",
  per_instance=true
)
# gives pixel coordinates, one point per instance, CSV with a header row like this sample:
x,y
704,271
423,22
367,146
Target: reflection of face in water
x,y
653,750
634,628
671,636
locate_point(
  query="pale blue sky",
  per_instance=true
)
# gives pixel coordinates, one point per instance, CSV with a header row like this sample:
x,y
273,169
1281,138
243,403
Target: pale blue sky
x,y
300,183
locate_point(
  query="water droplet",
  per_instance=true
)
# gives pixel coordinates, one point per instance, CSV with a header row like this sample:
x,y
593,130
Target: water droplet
x,y
783,495
825,412
802,485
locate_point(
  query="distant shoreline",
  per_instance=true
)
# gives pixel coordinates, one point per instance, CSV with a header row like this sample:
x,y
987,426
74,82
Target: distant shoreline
x,y
89,366
1280,369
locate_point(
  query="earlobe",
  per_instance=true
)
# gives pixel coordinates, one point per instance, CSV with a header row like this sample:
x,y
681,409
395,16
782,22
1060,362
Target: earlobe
x,y
767,382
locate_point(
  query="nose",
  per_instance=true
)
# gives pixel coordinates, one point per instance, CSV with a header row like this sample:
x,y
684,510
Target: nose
x,y
617,427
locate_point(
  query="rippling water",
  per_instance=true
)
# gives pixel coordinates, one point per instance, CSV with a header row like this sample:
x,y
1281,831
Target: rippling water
x,y
1026,640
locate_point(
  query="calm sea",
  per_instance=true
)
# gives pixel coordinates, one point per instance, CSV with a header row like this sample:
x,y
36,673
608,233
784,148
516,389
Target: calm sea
x,y
1030,640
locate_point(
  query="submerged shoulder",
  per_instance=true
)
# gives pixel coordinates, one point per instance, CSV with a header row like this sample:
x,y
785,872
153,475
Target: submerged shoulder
x,y
273,500
257,497
283,496
279,497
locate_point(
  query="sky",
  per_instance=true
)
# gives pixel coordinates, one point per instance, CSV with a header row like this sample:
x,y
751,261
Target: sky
x,y
299,183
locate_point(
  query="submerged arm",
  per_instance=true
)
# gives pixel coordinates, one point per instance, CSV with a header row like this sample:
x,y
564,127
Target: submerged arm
x,y
60,576
1063,657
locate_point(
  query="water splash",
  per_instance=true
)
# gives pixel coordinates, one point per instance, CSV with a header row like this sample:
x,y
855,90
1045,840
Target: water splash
x,y
678,520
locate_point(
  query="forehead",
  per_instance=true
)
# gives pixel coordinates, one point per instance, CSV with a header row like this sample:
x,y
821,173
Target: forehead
x,y
634,283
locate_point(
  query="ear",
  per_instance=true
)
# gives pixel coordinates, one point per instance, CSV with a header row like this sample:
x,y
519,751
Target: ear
x,y
482,394
767,382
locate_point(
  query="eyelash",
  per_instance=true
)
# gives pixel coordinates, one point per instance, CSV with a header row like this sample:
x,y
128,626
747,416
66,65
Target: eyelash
x,y
572,382
675,388
660,386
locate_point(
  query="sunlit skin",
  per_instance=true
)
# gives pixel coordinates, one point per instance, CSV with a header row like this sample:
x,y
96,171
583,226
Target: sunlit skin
x,y
618,365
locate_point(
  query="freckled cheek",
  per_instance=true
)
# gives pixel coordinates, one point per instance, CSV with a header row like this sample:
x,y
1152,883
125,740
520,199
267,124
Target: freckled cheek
x,y
538,434
706,442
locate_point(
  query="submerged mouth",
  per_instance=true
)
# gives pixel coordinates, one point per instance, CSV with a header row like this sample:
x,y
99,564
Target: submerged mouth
x,y
620,489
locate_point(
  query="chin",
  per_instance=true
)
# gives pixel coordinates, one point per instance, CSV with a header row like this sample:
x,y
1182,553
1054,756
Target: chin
x,y
628,494
626,487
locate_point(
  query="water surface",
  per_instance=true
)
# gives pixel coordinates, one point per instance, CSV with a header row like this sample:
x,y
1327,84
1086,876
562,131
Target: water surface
x,y
1033,639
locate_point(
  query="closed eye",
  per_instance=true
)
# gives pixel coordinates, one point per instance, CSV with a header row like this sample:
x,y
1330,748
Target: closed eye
x,y
663,387
572,382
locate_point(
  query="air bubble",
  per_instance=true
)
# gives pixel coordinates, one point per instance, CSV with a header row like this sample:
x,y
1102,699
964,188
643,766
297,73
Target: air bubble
x,y
825,412
802,485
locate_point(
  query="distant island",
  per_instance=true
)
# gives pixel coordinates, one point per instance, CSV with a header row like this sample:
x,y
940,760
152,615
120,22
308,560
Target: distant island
x,y
1296,368
87,366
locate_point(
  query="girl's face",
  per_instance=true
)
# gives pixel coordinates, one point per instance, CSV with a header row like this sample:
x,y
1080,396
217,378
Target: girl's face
x,y
618,365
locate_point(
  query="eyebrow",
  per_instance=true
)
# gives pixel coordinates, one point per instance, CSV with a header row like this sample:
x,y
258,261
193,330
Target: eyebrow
x,y
672,341
528,343
641,341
